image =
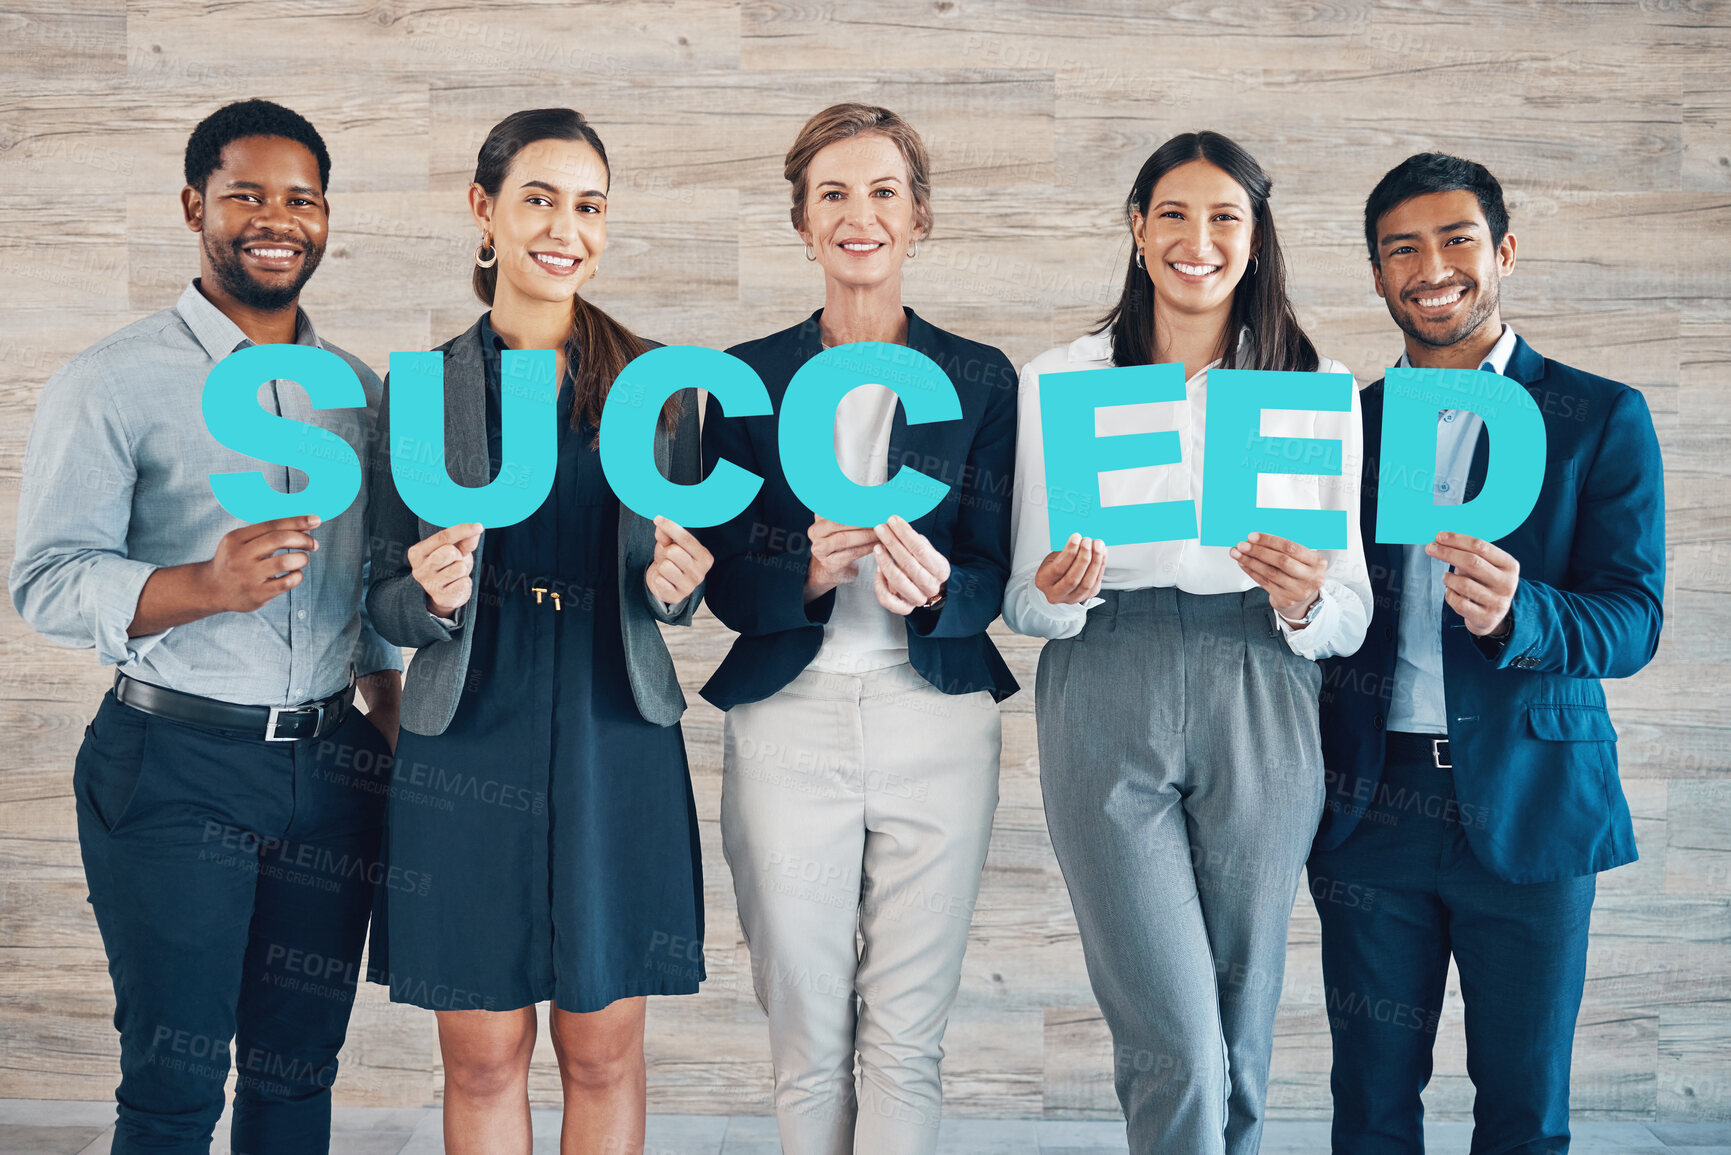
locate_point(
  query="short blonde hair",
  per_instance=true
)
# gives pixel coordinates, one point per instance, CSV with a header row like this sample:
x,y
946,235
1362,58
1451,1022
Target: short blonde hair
x,y
841,121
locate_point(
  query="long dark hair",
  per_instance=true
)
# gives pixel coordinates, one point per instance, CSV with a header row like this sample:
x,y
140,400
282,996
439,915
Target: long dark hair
x,y
1259,301
599,346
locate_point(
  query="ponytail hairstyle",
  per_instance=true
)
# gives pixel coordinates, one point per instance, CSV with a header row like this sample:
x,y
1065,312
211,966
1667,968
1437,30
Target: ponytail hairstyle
x,y
1277,342
599,346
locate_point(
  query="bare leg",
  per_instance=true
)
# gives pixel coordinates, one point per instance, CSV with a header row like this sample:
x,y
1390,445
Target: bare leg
x,y
602,1071
486,1057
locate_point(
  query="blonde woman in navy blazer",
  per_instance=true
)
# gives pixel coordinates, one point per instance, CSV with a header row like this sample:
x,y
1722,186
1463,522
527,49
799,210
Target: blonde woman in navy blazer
x,y
860,769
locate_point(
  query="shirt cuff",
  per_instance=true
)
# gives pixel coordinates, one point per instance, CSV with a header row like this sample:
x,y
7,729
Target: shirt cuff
x,y
110,592
1492,648
1040,618
1312,639
663,611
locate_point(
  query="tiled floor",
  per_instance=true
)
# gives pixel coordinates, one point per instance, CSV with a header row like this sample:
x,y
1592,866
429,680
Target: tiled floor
x,y
49,1127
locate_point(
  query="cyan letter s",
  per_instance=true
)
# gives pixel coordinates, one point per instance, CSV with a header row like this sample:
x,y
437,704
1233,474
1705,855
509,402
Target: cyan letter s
x,y
233,416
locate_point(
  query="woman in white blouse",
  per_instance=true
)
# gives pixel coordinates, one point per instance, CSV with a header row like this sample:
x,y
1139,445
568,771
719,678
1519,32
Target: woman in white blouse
x,y
1177,701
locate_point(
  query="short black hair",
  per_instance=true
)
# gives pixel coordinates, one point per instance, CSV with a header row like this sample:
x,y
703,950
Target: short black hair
x,y
246,118
1434,172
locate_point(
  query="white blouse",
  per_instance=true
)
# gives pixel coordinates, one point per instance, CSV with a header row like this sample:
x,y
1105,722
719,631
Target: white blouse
x,y
1341,619
861,635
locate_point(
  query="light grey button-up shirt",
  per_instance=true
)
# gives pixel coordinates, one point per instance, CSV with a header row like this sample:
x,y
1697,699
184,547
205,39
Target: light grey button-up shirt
x,y
116,485
1416,705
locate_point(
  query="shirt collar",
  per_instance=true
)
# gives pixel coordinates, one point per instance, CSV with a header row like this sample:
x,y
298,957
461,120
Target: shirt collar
x,y
219,335
810,335
1496,361
1098,347
490,339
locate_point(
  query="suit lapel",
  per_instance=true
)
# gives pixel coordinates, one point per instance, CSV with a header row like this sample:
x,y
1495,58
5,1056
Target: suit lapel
x,y
1526,368
928,443
1392,557
465,415
466,410
1479,467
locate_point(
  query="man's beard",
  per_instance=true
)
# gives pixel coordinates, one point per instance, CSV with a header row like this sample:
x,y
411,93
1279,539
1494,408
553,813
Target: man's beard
x,y
237,280
1464,328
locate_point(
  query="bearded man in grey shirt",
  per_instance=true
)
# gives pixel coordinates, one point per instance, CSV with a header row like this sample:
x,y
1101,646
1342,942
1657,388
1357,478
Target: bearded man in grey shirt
x,y
229,796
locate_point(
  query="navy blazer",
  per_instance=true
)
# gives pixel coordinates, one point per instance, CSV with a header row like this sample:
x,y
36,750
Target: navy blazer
x,y
1534,753
757,584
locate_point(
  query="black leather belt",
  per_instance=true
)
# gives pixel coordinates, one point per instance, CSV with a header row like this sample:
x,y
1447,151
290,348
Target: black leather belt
x,y
1420,748
272,723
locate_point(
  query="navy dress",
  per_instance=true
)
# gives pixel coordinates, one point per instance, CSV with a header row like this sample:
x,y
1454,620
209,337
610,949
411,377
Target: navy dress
x,y
545,845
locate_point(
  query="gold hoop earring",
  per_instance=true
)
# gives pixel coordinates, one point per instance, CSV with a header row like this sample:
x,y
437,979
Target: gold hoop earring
x,y
492,257
810,253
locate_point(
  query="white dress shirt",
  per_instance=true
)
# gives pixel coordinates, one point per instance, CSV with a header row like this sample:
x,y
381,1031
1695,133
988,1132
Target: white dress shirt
x,y
1340,620
1416,705
861,635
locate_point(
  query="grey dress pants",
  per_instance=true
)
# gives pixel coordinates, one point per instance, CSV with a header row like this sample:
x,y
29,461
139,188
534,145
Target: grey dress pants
x,y
855,815
1182,772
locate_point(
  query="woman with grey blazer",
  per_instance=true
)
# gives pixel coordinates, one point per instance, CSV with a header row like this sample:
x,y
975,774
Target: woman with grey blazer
x,y
541,840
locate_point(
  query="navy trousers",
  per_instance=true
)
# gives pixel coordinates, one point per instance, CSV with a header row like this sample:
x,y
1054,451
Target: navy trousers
x,y
1401,894
232,880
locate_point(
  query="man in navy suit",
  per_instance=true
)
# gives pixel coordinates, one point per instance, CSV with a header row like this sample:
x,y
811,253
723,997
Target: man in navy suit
x,y
1470,762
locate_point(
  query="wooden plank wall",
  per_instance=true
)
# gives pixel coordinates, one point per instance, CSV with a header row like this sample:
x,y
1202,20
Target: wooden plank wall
x,y
1609,124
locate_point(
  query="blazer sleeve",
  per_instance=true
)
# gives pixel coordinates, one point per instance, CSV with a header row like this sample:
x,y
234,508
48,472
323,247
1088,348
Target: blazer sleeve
x,y
685,467
1606,624
395,601
757,584
980,546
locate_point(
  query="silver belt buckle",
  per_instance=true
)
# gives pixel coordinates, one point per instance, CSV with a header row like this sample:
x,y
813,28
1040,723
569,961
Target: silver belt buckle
x,y
270,734
1439,752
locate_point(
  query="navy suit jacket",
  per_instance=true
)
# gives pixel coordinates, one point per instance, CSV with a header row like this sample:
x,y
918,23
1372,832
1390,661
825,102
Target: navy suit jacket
x,y
1534,753
757,584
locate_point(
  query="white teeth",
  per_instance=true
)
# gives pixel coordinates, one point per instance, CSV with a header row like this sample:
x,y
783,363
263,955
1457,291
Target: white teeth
x,y
272,254
1445,299
1194,270
556,262
861,246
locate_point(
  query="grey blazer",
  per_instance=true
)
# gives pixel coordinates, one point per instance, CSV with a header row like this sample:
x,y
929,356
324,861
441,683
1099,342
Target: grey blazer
x,y
398,605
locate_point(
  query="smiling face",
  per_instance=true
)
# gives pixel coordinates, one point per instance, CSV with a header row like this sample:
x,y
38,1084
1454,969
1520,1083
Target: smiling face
x,y
860,215
1197,238
1437,268
548,224
262,221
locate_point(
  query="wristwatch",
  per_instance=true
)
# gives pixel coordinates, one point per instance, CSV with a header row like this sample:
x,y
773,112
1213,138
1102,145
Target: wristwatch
x,y
1309,615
